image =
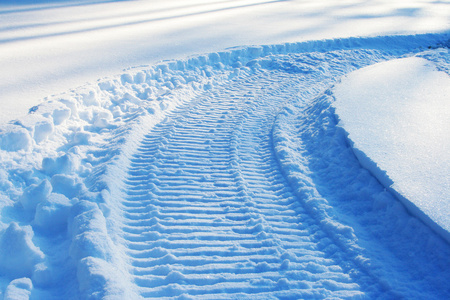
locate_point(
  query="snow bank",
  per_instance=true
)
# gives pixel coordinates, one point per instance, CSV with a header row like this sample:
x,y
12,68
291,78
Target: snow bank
x,y
397,115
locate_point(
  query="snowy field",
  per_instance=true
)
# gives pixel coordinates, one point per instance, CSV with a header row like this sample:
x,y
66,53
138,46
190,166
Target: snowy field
x,y
312,165
52,46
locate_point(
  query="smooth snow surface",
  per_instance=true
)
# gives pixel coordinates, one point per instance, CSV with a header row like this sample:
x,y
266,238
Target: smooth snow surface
x,y
221,176
397,114
50,46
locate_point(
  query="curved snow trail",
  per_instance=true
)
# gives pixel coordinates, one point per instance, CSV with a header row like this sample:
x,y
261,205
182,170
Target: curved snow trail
x,y
209,213
221,176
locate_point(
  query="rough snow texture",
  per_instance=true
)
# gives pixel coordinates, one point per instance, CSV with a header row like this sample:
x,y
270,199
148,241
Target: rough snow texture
x,y
219,176
397,114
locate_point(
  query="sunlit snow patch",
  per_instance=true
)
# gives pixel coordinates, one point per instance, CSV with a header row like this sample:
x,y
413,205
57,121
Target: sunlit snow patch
x,y
397,115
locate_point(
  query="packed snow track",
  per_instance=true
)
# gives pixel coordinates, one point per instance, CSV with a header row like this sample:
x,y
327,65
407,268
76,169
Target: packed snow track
x,y
208,212
223,176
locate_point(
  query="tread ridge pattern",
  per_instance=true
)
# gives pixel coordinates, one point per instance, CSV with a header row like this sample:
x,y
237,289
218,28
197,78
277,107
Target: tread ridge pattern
x,y
208,212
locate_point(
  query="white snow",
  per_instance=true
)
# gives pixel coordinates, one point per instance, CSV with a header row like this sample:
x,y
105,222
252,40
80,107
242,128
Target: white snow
x,y
207,176
397,115
49,47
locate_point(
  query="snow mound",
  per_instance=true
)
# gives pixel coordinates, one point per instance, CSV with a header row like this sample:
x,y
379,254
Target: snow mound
x,y
397,115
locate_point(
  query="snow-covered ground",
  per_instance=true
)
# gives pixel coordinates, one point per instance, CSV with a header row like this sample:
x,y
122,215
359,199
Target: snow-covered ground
x,y
50,46
222,175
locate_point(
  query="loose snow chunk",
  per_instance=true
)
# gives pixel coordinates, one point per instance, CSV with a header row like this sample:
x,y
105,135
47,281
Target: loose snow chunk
x,y
53,213
102,119
60,115
5,184
126,78
81,138
42,130
35,194
90,98
89,233
90,243
397,114
18,254
19,289
88,217
64,164
140,77
100,280
67,185
15,138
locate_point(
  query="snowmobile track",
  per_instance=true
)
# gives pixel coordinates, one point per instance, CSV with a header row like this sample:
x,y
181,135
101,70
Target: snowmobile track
x,y
209,213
